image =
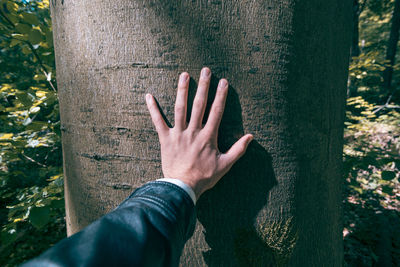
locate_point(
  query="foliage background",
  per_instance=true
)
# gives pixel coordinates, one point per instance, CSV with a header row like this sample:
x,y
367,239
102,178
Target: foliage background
x,y
31,185
31,181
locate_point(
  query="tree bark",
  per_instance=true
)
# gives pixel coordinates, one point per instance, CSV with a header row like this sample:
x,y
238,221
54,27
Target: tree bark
x,y
286,62
392,47
355,47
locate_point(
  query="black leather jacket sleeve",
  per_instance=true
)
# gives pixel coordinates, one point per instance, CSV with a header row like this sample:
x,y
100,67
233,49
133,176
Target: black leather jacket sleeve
x,y
149,228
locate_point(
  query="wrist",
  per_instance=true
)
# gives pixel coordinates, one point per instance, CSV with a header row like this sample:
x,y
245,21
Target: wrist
x,y
196,186
187,188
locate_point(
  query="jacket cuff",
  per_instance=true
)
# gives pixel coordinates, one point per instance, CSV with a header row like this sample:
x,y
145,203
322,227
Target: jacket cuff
x,y
173,201
182,185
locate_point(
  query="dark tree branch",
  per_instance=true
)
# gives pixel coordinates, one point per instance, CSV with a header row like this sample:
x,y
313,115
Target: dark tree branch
x,y
392,47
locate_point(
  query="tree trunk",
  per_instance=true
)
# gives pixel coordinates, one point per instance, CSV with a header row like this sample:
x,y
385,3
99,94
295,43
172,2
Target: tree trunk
x,y
287,64
355,47
392,47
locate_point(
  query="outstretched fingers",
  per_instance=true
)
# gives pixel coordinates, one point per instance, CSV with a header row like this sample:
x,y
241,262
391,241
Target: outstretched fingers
x,y
156,117
217,108
200,100
181,101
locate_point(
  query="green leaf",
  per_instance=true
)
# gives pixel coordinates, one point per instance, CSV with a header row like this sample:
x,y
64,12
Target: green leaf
x,y
14,42
6,136
37,125
13,17
30,18
26,50
388,175
39,216
49,38
12,7
23,28
58,203
35,36
19,36
24,99
39,77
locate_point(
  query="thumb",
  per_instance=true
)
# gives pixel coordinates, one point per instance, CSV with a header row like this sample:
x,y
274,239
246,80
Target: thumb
x,y
237,150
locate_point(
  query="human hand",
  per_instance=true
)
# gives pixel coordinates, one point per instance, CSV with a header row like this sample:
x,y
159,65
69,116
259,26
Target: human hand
x,y
189,152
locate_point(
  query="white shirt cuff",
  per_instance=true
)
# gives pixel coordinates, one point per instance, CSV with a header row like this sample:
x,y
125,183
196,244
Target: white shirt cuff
x,y
182,185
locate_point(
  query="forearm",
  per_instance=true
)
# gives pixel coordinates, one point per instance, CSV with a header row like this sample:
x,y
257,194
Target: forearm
x,y
149,228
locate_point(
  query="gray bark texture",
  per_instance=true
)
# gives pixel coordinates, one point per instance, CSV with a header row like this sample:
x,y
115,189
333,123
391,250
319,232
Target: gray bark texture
x,y
286,62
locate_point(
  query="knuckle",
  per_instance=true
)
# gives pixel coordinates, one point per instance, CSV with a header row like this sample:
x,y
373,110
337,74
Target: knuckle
x,y
158,121
209,132
198,103
203,82
218,110
191,135
182,87
222,94
153,109
179,108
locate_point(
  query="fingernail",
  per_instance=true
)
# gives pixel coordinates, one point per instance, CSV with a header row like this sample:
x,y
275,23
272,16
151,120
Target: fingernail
x,y
205,72
251,138
148,97
184,77
223,83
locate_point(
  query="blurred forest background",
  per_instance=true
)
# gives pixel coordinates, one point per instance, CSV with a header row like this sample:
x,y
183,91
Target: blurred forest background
x,y
31,179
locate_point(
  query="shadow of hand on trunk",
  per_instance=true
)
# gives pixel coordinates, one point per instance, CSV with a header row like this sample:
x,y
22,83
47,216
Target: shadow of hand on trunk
x,y
228,211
